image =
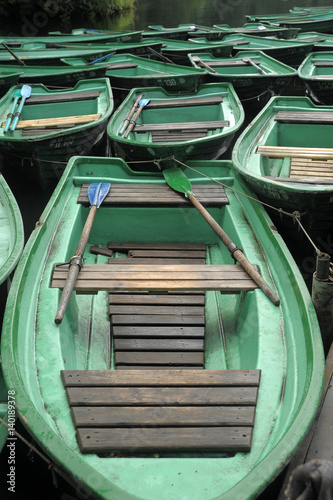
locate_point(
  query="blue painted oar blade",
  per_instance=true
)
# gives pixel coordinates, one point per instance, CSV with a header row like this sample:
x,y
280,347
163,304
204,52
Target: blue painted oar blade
x,y
97,193
144,102
101,58
25,93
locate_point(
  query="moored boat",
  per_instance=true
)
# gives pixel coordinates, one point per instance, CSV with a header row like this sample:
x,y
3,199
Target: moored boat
x,y
53,126
259,29
254,75
286,155
85,37
316,71
127,71
247,340
190,125
291,52
322,23
321,41
8,77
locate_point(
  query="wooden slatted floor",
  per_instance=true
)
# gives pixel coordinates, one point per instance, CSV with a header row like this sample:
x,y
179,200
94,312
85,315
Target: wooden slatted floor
x,y
311,169
145,411
158,331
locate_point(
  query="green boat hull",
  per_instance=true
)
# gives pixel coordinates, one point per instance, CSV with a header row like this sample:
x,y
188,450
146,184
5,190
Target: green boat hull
x,y
258,335
312,200
42,154
124,36
318,80
259,29
128,71
8,78
145,147
85,39
252,87
320,23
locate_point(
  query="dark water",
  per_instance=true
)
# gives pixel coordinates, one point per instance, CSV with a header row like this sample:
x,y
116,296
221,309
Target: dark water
x,y
33,479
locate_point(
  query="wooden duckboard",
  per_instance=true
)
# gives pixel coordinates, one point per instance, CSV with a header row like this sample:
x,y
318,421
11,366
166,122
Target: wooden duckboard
x,y
123,412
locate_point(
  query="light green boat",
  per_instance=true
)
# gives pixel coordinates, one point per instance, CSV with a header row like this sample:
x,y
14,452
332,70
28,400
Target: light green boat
x,y
160,455
53,126
190,125
11,246
286,155
316,71
84,37
8,77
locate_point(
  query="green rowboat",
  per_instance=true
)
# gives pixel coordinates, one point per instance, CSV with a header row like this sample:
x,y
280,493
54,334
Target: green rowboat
x,y
316,72
321,41
54,76
8,77
254,83
11,246
84,38
91,34
244,333
258,29
194,125
322,23
286,155
55,125
127,71
290,52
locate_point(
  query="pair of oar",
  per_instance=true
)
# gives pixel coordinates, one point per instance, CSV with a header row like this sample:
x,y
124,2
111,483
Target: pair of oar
x,y
24,93
178,181
132,116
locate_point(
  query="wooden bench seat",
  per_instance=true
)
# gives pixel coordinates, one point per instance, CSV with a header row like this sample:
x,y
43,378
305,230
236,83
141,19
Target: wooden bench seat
x,y
63,97
190,101
152,127
296,152
141,277
160,411
321,117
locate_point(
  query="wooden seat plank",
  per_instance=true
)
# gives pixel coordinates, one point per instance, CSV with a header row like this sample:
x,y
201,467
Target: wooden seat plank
x,y
158,367
161,344
119,416
295,152
188,101
157,439
63,97
162,396
179,359
304,117
213,378
160,299
136,245
176,254
156,319
151,127
153,260
157,309
158,332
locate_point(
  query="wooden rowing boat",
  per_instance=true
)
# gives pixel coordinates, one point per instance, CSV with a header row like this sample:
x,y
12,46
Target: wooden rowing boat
x,y
138,394
286,155
186,126
127,71
55,125
291,52
11,246
316,72
254,75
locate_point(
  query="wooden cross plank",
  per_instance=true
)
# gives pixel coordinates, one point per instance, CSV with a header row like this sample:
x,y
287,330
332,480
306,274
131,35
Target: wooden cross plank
x,y
160,299
156,319
63,97
151,127
180,102
307,168
153,309
62,120
296,152
167,358
161,344
175,254
157,332
119,246
304,117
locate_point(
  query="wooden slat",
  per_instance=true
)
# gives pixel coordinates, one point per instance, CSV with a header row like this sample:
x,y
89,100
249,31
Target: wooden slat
x,y
123,65
323,64
177,137
151,127
304,116
171,254
156,319
100,251
189,101
295,152
119,246
307,168
161,344
63,97
157,332
213,378
158,367
156,439
157,309
160,299
153,260
106,416
156,396
63,120
179,359
227,64
157,194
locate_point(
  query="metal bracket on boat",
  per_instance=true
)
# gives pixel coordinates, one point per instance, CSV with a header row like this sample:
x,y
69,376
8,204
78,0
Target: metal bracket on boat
x,y
233,251
76,259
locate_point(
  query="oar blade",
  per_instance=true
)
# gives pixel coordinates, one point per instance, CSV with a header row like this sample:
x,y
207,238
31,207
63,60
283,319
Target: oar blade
x,y
177,180
26,91
97,192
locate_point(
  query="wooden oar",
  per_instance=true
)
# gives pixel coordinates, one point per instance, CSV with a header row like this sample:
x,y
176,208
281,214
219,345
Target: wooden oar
x,y
142,104
25,93
248,60
16,96
161,56
178,181
130,114
14,55
96,194
197,60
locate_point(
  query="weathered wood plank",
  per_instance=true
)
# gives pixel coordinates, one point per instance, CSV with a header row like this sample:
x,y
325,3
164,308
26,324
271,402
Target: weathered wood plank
x,y
158,332
133,245
157,367
217,378
100,251
304,116
188,101
210,125
159,299
168,439
156,319
180,359
118,416
157,309
63,97
162,344
296,152
153,260
156,396
175,254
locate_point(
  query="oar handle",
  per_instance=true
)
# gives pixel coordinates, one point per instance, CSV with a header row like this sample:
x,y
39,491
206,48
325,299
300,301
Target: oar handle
x,y
17,114
75,266
132,122
205,65
130,114
14,55
10,115
237,254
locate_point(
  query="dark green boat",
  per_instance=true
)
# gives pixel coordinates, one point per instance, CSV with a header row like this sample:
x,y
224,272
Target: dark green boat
x,y
127,71
258,29
321,41
8,77
286,155
316,72
193,125
254,75
85,38
54,125
290,52
209,372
